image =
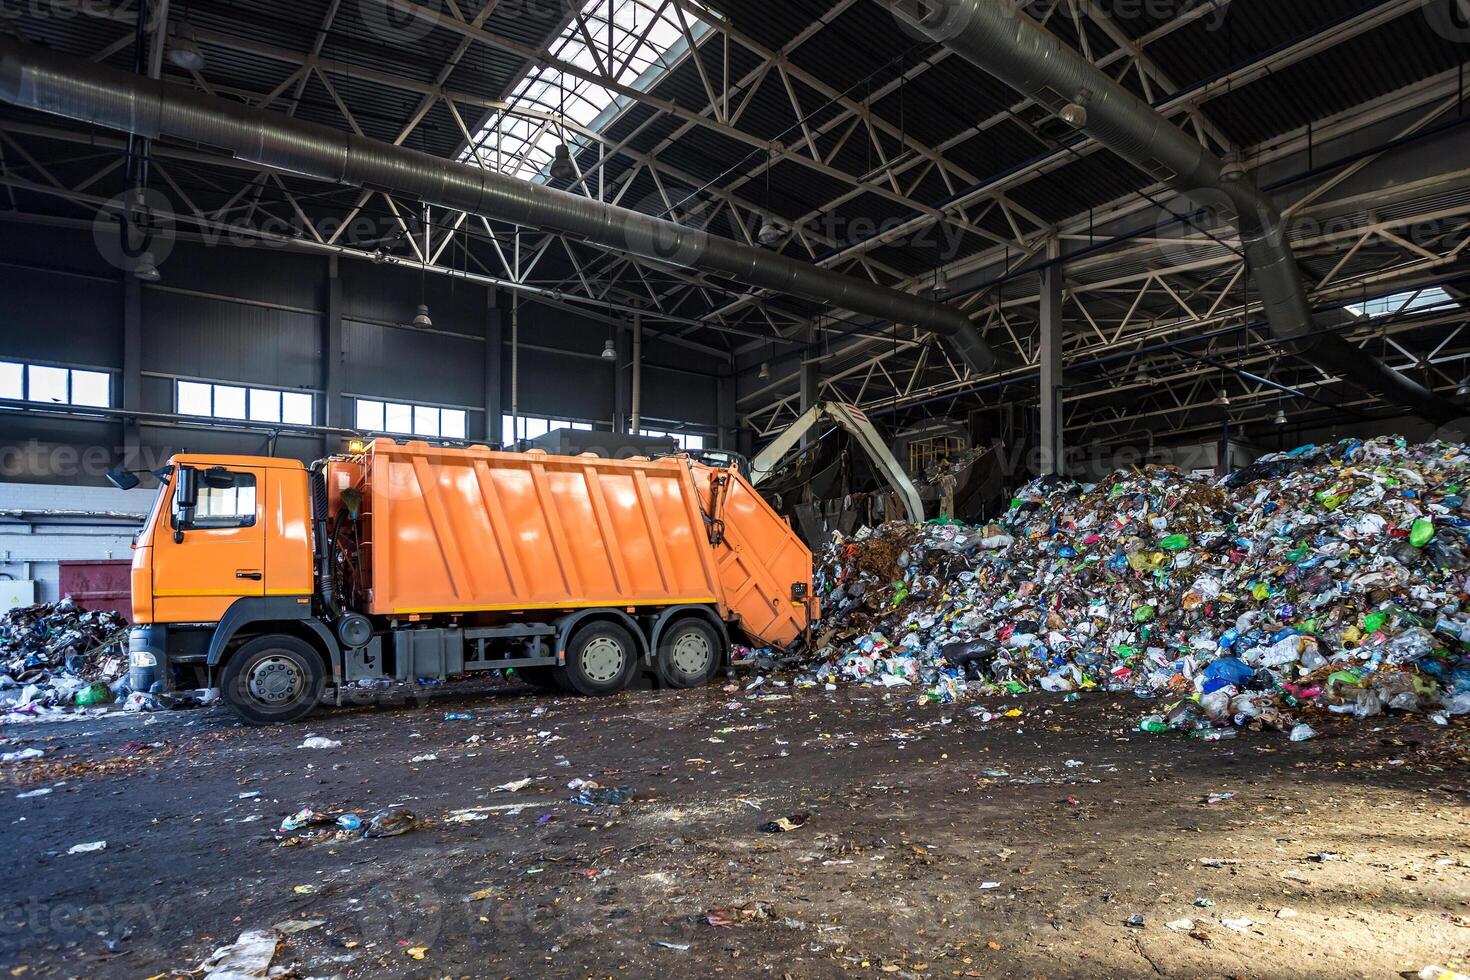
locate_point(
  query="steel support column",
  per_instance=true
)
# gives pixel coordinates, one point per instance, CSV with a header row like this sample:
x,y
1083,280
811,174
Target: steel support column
x,y
494,358
132,367
1053,450
333,357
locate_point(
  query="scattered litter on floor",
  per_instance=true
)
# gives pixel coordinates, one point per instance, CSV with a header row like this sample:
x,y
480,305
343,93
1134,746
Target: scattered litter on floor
x,y
246,958
391,823
93,847
593,795
785,825
319,742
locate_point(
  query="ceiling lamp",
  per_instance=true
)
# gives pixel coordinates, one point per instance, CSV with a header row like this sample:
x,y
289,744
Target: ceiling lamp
x,y
940,285
421,319
562,167
765,372
146,268
771,234
185,53
610,350
1464,391
1280,416
1074,114
1224,400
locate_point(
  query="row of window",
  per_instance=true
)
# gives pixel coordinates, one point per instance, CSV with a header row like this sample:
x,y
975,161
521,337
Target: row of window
x,y
534,427
688,443
68,386
238,403
402,419
54,385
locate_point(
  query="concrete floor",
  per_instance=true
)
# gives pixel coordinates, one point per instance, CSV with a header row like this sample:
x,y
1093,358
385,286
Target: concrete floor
x,y
937,845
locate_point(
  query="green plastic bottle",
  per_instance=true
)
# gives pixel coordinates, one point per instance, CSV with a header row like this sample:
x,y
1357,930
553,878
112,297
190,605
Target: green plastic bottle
x,y
1153,724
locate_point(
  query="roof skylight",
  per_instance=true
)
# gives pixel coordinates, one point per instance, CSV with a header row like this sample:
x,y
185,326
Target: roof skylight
x,y
635,43
1399,303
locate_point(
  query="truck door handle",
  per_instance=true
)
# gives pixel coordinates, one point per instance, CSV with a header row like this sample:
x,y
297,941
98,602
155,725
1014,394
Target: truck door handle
x,y
253,576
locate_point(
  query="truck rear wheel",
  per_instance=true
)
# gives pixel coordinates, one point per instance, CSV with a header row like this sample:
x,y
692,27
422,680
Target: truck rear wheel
x,y
689,653
273,680
601,659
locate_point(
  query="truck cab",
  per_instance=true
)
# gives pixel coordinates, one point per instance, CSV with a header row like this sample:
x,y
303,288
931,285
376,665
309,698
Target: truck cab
x,y
226,556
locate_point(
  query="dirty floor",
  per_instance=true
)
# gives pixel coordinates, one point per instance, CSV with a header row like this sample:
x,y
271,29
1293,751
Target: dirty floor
x,y
1052,844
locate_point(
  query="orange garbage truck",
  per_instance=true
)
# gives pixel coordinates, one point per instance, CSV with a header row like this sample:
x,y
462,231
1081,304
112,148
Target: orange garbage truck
x,y
285,586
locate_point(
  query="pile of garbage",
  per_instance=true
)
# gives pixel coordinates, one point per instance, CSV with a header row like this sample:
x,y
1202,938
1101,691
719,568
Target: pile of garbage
x,y
1330,578
56,656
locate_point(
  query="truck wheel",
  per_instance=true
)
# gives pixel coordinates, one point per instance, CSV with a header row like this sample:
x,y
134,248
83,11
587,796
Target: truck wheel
x,y
273,680
689,653
601,659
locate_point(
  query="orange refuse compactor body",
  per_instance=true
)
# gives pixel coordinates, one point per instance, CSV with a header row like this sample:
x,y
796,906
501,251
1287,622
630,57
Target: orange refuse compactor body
x,y
475,531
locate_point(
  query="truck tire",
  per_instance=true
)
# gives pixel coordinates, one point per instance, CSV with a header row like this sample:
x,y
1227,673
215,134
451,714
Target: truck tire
x,y
273,680
601,659
689,653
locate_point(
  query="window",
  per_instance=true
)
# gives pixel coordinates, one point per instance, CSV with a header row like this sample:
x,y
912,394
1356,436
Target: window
x,y
687,442
225,501
234,402
12,380
55,385
646,41
47,384
91,388
396,418
1400,303
534,427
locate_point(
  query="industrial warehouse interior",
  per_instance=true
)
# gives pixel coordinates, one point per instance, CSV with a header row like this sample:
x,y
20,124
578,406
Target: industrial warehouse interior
x,y
756,488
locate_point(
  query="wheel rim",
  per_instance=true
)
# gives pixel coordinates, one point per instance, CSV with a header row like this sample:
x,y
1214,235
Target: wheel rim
x,y
276,679
603,659
692,653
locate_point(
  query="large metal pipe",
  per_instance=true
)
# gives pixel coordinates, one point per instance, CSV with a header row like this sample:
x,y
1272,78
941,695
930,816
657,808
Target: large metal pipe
x,y
1001,38
37,79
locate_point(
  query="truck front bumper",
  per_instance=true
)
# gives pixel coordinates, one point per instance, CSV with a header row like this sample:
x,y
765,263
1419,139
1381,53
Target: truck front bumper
x,y
148,666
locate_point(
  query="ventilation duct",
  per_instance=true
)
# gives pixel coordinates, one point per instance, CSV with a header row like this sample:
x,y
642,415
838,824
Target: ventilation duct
x,y
1001,38
41,80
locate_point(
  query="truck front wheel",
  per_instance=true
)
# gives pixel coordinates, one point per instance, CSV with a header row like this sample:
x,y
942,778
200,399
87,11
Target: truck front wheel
x,y
601,659
689,653
273,680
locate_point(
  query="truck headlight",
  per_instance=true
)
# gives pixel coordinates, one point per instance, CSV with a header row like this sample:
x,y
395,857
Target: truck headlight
x,y
142,658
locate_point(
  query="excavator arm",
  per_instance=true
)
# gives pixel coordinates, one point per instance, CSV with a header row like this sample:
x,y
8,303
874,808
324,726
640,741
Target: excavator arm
x,y
862,431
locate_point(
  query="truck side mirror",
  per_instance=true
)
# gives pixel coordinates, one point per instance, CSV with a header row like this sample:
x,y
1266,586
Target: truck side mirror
x,y
122,479
186,494
186,498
